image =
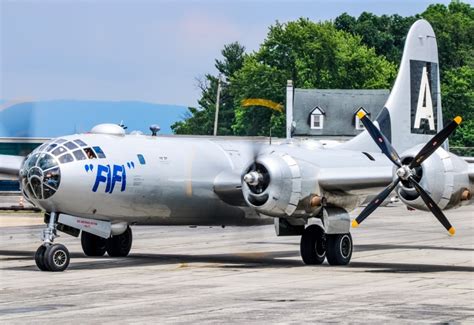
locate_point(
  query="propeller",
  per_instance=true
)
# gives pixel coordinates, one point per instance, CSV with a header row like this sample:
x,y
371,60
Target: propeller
x,y
406,173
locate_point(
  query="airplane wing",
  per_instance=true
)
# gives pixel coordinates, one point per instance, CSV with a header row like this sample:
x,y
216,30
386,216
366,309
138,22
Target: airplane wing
x,y
10,165
353,179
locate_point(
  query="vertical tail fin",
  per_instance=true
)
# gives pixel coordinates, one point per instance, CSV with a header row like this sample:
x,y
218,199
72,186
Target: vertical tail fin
x,y
412,113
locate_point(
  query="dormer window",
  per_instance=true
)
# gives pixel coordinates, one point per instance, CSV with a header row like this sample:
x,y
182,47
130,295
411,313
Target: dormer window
x,y
316,118
357,122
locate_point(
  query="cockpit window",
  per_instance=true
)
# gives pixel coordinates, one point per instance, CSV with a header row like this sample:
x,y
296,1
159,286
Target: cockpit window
x,y
141,159
79,155
59,150
51,146
30,162
59,141
36,186
42,147
99,152
90,153
52,178
80,142
64,159
70,145
40,174
46,161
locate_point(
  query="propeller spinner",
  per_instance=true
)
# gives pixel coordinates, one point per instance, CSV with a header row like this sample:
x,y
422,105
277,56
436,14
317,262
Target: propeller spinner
x,y
406,173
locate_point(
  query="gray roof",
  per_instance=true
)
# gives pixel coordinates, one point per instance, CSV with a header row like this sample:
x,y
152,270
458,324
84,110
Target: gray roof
x,y
339,106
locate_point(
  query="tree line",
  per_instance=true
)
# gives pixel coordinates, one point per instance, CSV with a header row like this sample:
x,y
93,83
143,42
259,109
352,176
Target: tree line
x,y
347,53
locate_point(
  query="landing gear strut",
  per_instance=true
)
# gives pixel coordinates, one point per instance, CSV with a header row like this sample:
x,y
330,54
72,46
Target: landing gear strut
x,y
50,256
316,245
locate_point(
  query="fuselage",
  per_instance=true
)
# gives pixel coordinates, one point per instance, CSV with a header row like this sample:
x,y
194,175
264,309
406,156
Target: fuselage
x,y
162,180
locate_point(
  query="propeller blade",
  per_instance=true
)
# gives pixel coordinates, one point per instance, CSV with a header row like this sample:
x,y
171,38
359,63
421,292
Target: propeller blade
x,y
435,142
380,139
375,203
434,208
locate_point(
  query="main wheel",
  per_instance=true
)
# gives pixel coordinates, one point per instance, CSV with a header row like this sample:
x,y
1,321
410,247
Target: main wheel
x,y
339,249
93,245
39,258
56,258
120,245
313,245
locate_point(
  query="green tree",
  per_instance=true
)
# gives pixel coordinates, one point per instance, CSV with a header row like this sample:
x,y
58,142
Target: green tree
x,y
458,99
386,34
201,120
313,55
454,29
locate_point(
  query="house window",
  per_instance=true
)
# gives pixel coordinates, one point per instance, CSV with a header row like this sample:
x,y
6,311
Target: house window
x,y
316,120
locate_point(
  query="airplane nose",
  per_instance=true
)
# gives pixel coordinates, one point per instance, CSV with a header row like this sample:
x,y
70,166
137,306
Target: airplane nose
x,y
40,176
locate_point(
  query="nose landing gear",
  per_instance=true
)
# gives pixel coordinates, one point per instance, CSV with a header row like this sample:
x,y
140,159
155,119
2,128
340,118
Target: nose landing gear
x,y
50,256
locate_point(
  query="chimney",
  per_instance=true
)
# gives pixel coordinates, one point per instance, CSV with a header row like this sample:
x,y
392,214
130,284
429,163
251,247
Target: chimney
x,y
289,108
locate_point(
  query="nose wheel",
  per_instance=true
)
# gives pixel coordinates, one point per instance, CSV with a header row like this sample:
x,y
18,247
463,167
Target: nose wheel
x,y
49,256
54,258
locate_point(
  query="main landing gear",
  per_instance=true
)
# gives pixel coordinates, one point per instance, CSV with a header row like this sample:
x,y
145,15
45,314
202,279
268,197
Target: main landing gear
x,y
115,246
50,256
316,245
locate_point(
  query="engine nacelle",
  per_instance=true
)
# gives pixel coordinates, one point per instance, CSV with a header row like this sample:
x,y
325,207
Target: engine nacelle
x,y
443,175
272,185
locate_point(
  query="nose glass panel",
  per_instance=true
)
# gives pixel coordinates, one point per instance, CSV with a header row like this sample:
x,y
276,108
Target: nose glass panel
x,y
40,176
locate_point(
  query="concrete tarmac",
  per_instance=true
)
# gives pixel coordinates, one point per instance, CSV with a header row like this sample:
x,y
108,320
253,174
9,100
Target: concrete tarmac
x,y
405,269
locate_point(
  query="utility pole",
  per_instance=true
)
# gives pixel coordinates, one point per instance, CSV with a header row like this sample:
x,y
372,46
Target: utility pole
x,y
218,99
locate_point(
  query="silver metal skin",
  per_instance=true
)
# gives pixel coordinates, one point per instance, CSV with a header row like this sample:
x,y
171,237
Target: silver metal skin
x,y
177,185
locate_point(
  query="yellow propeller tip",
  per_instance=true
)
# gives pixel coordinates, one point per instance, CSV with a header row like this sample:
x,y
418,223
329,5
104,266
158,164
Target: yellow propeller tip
x,y
458,119
360,114
355,224
452,231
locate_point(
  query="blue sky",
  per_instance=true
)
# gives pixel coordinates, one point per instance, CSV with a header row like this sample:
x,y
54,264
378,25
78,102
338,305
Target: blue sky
x,y
141,50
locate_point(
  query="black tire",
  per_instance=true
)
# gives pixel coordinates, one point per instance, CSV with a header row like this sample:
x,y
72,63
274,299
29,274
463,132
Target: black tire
x,y
39,258
56,257
339,249
313,245
120,245
93,245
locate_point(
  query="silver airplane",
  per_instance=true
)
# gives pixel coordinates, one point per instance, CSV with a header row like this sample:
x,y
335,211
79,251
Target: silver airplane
x,y
100,183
